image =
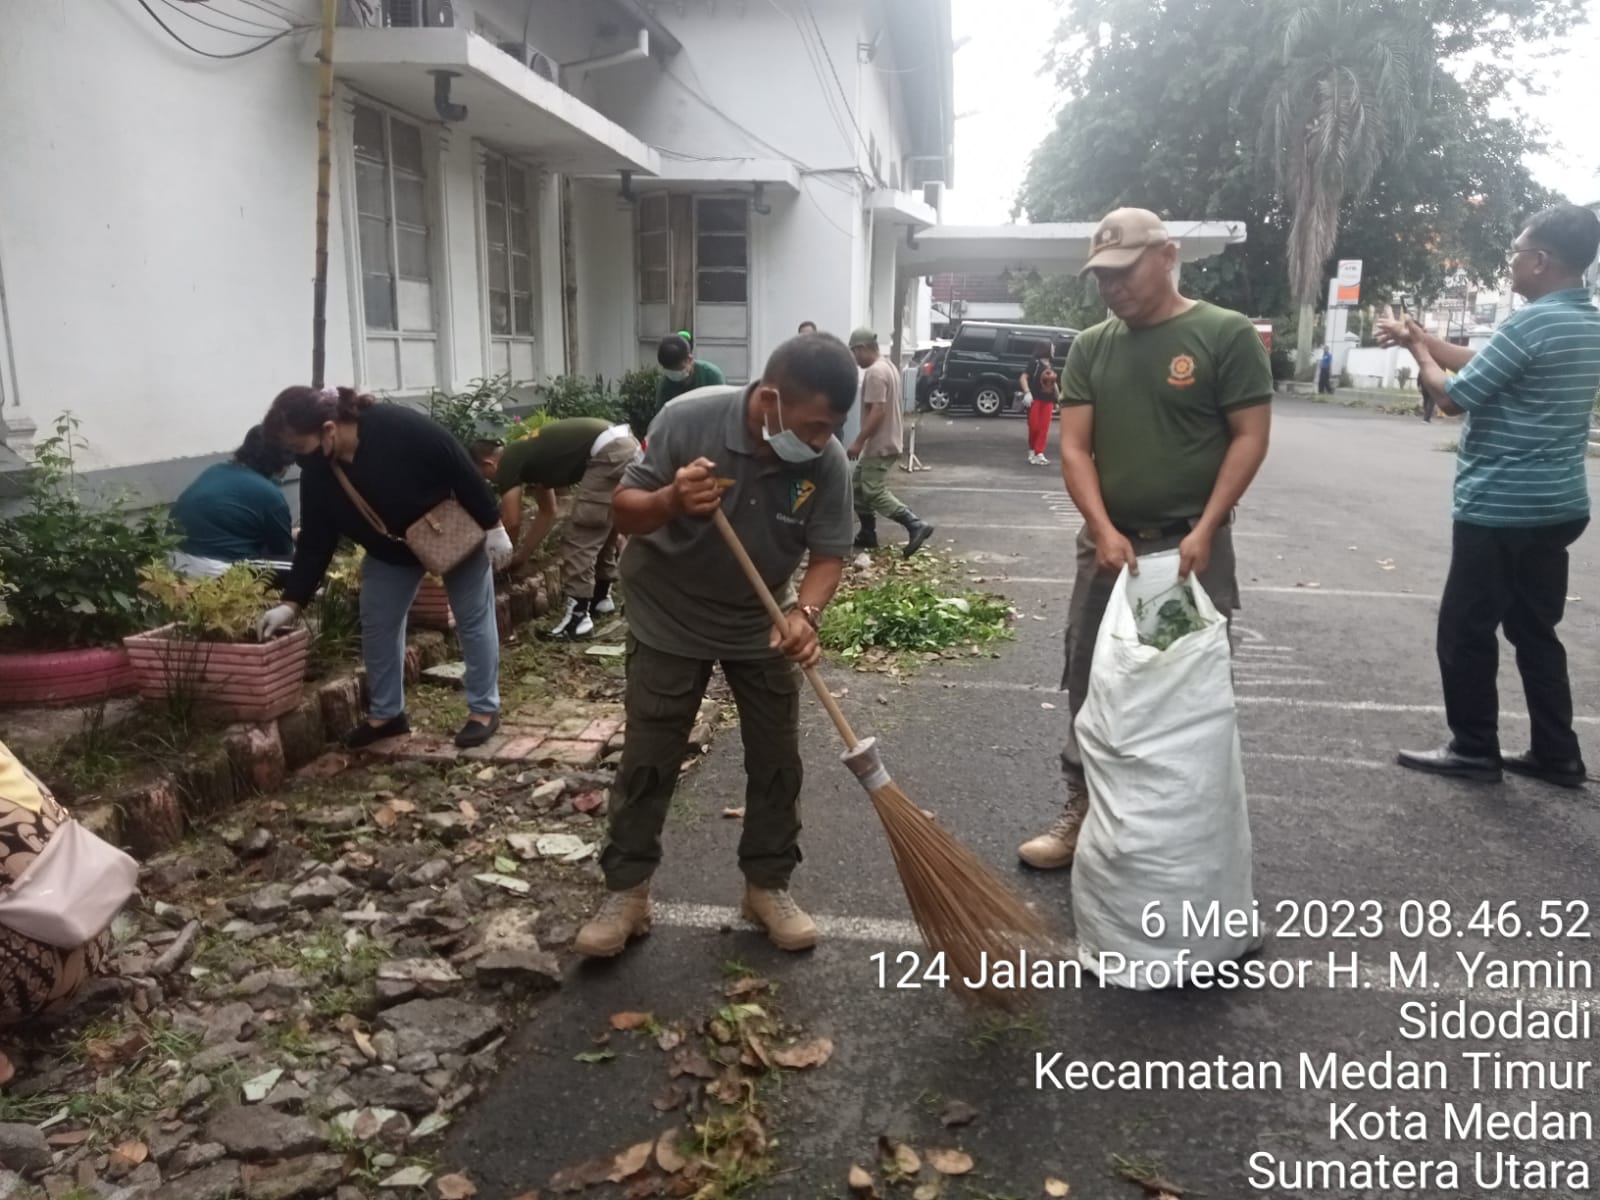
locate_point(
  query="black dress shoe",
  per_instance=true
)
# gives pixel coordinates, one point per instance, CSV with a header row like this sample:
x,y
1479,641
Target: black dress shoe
x,y
1568,774
366,733
476,733
1448,762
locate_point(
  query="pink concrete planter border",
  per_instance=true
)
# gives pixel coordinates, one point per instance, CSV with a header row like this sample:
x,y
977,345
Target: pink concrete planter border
x,y
246,681
431,608
65,676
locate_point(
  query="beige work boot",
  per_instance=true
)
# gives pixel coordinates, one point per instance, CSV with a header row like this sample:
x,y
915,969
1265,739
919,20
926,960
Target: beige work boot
x,y
622,917
1053,849
785,921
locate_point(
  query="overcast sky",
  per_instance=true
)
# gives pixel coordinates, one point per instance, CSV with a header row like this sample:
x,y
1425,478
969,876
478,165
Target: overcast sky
x,y
1004,108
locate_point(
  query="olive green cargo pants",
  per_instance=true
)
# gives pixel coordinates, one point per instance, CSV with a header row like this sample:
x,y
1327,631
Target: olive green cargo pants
x,y
662,702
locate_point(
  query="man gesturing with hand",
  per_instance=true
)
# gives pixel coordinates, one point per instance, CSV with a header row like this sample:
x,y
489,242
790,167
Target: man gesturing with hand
x,y
1166,410
765,456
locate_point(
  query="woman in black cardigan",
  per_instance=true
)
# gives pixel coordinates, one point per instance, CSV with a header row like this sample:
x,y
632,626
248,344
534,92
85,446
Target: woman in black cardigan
x,y
402,464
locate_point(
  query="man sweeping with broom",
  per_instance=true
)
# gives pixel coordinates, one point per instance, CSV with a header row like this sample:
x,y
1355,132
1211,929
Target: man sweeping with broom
x,y
766,457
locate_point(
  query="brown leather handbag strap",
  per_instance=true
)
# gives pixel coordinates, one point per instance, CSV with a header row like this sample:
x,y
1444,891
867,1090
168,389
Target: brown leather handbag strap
x,y
362,506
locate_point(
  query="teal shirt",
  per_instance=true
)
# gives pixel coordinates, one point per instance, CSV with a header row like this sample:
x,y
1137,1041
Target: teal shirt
x,y
1529,396
232,513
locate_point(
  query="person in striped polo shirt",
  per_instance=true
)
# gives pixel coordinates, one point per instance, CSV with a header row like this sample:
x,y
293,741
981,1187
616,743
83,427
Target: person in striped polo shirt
x,y
1521,499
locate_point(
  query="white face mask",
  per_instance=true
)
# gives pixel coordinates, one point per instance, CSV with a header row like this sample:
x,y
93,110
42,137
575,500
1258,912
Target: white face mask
x,y
786,443
677,376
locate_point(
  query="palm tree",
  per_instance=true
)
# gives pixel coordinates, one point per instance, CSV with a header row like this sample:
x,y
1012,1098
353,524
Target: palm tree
x,y
1352,76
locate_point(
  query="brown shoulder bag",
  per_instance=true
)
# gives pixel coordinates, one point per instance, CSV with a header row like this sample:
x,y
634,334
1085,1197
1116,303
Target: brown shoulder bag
x,y
442,538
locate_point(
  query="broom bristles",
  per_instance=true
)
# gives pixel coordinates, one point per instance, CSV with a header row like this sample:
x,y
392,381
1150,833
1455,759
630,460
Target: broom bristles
x,y
963,911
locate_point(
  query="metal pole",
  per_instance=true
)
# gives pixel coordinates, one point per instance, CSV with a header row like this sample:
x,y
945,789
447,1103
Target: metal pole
x,y
319,294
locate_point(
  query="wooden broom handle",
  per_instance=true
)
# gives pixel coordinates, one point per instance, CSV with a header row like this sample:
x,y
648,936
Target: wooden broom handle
x,y
840,721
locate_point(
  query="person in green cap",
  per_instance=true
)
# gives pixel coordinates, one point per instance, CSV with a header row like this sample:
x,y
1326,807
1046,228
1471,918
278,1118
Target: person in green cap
x,y
681,372
877,447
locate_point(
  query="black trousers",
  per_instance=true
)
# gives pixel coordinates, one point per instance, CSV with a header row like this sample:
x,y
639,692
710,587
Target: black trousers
x,y
1515,579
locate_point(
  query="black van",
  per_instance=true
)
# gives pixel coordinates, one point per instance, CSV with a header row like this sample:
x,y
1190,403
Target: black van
x,y
981,369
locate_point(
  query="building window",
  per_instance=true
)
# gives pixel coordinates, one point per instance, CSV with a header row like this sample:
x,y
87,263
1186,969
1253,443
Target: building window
x,y
693,264
722,251
655,249
394,238
509,262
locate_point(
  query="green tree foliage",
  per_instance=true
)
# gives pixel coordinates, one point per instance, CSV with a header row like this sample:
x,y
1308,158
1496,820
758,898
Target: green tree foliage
x,y
1166,108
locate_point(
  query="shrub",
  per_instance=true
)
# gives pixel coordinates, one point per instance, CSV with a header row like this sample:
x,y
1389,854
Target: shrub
x,y
574,396
223,608
335,618
524,427
1402,376
6,589
636,397
479,411
73,567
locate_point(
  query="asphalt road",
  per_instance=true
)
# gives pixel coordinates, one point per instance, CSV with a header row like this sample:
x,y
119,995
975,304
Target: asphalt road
x,y
1343,546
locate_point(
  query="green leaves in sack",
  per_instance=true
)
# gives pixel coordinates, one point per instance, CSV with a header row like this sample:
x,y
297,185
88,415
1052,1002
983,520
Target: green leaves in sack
x,y
1175,617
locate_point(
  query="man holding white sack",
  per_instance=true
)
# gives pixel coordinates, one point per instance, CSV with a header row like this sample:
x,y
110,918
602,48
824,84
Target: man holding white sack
x,y
1164,423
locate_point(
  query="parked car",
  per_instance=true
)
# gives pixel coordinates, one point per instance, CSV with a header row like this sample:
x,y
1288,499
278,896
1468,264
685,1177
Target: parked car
x,y
985,360
925,366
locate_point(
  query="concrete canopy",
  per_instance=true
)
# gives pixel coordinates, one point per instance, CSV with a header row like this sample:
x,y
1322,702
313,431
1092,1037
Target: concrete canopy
x,y
1050,249
507,104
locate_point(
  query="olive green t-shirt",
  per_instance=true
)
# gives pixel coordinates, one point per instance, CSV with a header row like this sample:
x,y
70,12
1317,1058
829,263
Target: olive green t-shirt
x,y
1161,398
554,455
686,592
704,374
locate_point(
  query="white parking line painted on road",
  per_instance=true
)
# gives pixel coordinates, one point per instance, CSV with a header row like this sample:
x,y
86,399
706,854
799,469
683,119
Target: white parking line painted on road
x,y
1364,706
1342,593
1327,760
852,929
950,487
889,931
1378,706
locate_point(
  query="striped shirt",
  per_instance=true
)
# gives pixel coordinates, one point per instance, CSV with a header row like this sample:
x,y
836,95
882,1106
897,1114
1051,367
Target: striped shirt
x,y
1529,395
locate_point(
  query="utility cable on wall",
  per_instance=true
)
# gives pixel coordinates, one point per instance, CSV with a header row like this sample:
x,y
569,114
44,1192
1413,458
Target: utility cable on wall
x,y
178,37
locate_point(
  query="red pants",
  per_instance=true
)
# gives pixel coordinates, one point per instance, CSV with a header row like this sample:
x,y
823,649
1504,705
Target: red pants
x,y
1040,414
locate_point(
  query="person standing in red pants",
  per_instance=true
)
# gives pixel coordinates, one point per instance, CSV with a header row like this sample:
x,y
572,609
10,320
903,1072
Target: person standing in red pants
x,y
1039,385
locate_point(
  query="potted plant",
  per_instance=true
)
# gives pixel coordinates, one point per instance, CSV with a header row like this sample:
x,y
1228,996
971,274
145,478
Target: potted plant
x,y
209,648
72,570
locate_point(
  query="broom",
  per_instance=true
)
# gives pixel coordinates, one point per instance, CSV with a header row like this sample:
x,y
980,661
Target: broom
x,y
962,910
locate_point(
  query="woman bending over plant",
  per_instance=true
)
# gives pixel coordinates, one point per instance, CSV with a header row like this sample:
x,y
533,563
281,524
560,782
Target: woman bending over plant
x,y
399,484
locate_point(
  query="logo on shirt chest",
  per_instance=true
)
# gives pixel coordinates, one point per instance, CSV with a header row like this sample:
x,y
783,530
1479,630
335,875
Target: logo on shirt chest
x,y
1180,373
800,492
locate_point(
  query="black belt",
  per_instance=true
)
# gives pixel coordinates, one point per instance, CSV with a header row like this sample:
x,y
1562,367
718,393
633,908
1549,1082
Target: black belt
x,y
1157,533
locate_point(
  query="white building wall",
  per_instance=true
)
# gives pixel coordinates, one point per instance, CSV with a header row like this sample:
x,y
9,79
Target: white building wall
x,y
157,209
744,86
157,235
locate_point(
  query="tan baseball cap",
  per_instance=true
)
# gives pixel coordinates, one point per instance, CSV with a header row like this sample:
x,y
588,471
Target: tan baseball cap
x,y
1122,236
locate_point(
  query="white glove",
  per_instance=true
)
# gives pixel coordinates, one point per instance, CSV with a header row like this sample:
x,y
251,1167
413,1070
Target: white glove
x,y
275,621
498,544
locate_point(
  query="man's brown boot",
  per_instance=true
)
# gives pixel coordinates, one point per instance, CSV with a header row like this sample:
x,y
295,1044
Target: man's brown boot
x,y
1053,849
622,917
785,921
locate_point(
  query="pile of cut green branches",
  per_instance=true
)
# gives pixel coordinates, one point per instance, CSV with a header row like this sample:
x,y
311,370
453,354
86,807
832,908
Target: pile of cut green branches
x,y
902,615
